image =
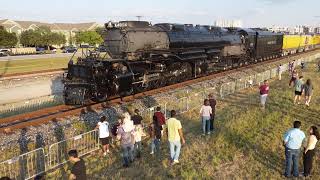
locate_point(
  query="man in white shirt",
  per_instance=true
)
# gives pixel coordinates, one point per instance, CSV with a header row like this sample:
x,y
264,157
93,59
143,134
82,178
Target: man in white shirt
x,y
279,69
104,134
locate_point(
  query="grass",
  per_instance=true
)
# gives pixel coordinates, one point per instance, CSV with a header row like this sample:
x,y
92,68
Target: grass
x,y
247,143
30,65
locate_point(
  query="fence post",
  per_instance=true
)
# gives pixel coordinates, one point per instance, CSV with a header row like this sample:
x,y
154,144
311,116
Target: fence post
x,y
188,100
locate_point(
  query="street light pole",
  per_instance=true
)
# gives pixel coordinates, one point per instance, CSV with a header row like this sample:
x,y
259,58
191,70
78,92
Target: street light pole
x,y
139,17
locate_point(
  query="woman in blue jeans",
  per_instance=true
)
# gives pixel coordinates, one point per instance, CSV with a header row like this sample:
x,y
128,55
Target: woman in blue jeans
x,y
205,113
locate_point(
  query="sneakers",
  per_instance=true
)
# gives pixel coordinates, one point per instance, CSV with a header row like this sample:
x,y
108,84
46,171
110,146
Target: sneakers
x,y
108,151
151,152
105,153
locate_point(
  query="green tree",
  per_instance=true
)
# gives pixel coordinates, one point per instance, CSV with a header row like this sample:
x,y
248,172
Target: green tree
x,y
57,38
101,31
90,37
7,39
42,36
31,38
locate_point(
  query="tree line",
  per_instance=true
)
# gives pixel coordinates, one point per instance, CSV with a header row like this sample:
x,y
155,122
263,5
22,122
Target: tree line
x,y
7,39
44,37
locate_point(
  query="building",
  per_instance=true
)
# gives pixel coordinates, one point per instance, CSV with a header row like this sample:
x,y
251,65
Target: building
x,y
299,29
279,29
228,23
317,30
68,29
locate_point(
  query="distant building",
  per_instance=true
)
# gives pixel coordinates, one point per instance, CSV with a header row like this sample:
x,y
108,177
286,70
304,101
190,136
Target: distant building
x,y
68,29
228,23
299,29
279,29
317,30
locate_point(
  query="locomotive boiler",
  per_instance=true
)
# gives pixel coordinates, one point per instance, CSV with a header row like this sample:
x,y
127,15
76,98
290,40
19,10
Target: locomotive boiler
x,y
145,56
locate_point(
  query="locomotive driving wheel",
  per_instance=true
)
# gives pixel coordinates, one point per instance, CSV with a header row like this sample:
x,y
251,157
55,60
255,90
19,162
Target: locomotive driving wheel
x,y
174,73
186,71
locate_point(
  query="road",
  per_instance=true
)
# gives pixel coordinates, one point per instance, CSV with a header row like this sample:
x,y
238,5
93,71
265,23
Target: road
x,y
38,56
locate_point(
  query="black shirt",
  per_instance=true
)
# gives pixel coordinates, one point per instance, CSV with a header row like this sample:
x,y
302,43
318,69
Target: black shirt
x,y
136,119
213,103
79,170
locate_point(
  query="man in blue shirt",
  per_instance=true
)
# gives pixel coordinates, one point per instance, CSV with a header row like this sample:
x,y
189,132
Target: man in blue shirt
x,y
293,140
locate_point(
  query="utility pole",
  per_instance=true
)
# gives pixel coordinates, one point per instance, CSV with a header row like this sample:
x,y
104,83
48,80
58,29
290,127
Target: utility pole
x,y
139,17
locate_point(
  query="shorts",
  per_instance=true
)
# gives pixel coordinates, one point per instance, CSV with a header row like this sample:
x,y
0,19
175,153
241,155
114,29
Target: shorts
x,y
263,99
298,93
105,141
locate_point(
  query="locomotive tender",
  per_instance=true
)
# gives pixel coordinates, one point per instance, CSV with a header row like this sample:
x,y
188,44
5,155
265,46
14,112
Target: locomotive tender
x,y
145,56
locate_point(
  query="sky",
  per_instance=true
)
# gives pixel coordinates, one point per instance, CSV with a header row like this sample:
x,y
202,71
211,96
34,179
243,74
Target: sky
x,y
253,13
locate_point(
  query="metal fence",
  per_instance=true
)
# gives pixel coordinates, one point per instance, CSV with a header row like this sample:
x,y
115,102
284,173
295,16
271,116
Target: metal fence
x,y
30,105
147,114
84,143
25,166
35,162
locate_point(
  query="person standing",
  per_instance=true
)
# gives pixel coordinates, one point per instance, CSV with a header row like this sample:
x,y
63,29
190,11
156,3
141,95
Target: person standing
x,y
156,133
292,141
159,117
175,137
138,133
264,91
302,64
78,171
205,113
298,89
104,134
289,68
293,65
213,103
279,69
137,118
309,150
308,91
126,136
294,76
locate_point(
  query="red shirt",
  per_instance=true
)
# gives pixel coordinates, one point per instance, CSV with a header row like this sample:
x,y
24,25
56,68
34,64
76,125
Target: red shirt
x,y
264,89
160,118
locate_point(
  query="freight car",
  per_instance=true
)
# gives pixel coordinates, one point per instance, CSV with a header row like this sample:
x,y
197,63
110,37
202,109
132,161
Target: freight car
x,y
299,43
145,56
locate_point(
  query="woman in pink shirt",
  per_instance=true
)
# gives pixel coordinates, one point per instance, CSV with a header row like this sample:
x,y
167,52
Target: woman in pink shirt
x,y
205,113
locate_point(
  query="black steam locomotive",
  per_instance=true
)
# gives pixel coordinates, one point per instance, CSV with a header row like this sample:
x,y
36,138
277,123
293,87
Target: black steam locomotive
x,y
145,56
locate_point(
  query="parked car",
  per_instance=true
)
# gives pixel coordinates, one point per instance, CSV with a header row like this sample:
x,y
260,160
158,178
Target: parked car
x,y
40,50
53,49
101,49
4,52
69,49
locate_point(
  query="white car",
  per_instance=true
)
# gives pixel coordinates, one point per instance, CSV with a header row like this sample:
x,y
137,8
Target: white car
x,y
4,52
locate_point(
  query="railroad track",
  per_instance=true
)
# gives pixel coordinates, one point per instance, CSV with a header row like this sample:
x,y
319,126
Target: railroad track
x,y
50,71
58,112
